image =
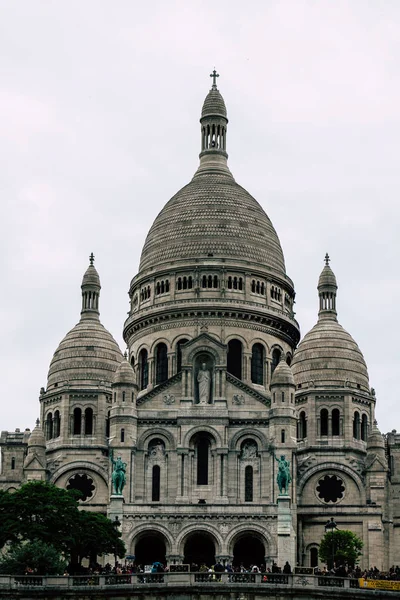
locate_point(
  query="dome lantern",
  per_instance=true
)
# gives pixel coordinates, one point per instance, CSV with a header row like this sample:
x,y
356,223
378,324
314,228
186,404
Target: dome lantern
x,y
327,288
90,292
214,121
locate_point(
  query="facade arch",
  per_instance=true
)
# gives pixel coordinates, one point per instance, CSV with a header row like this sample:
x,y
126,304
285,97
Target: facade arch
x,y
164,434
195,528
140,532
240,436
259,340
261,533
188,439
335,467
79,466
203,349
180,336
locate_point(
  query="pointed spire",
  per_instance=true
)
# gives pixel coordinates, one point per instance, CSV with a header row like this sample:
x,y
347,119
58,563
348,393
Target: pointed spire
x,y
327,288
90,291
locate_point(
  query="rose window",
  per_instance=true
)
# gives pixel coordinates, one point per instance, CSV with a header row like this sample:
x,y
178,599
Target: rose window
x,y
83,484
330,488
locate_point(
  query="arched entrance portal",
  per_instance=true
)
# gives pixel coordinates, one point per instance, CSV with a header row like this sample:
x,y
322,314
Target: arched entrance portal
x,y
200,549
248,551
150,548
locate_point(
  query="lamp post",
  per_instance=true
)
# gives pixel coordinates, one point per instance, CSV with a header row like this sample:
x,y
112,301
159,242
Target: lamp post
x,y
116,524
331,526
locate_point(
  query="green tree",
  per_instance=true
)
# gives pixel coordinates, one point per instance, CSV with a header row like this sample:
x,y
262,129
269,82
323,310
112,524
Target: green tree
x,y
94,535
34,557
38,511
341,546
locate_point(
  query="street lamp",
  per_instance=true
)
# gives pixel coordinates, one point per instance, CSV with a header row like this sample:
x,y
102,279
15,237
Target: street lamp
x,y
331,526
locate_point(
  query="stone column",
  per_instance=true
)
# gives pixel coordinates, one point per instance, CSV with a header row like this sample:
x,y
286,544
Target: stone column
x,y
286,533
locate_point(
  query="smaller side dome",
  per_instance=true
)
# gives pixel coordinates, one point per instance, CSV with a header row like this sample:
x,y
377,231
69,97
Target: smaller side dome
x,y
37,439
283,374
327,277
375,441
91,277
124,375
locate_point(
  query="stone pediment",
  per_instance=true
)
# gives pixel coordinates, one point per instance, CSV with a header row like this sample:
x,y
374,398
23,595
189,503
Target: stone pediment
x,y
33,463
166,390
245,390
375,463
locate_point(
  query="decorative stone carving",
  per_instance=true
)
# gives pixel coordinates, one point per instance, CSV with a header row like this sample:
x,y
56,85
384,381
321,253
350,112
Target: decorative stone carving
x,y
169,399
157,450
249,451
238,399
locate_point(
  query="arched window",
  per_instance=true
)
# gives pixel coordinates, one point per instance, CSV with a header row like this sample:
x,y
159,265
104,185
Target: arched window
x,y
276,357
364,428
179,355
49,426
313,557
336,421
240,283
122,434
253,286
88,421
13,463
324,421
302,425
204,281
234,360
210,281
132,361
161,363
77,421
203,446
179,283
248,484
283,436
56,424
190,282
257,364
288,360
143,369
155,483
215,281
356,426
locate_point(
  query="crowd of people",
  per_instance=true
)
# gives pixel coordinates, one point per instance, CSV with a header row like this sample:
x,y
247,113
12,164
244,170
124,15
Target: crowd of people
x,y
213,571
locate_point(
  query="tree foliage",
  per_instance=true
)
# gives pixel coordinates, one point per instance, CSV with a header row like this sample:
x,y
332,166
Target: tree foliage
x,y
32,557
341,545
42,512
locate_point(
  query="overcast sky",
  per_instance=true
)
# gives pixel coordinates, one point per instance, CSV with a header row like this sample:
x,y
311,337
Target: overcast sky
x,y
99,109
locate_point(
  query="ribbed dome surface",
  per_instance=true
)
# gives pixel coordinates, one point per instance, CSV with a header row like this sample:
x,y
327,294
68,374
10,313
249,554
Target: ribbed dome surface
x,y
37,438
124,374
327,277
282,375
214,105
87,355
328,356
91,276
212,215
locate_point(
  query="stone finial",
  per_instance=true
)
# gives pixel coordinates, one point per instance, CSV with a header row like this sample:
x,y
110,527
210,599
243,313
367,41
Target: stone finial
x,y
126,355
37,422
214,75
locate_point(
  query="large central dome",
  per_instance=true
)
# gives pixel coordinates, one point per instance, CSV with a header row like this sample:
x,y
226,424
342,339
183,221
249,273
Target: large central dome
x,y
213,216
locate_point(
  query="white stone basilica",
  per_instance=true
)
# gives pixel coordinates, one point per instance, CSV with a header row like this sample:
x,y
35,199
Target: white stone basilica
x,y
215,389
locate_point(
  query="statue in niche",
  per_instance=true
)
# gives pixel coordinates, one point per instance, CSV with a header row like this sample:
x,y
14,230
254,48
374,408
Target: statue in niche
x,y
249,451
204,382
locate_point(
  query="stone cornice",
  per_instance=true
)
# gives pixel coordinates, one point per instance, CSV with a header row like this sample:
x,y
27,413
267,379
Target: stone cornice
x,y
280,326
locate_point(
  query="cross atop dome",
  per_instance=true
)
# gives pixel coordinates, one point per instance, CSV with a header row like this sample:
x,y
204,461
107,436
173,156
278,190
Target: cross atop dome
x,y
91,259
327,259
214,75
